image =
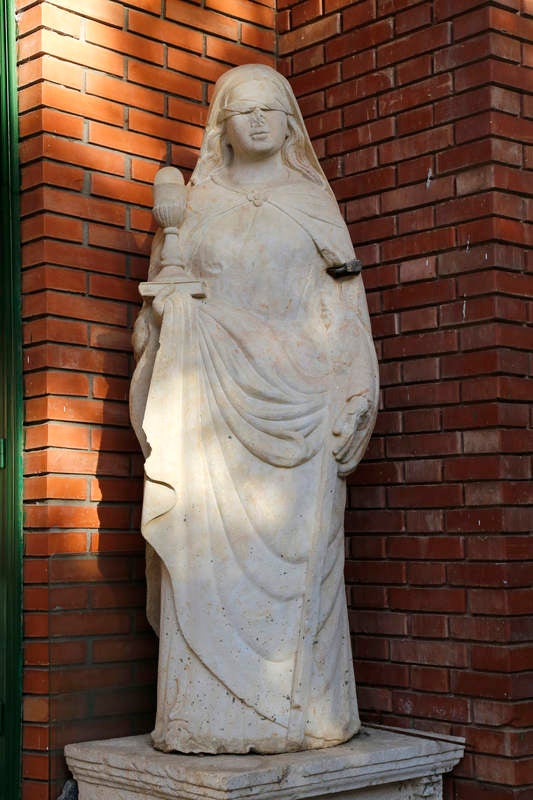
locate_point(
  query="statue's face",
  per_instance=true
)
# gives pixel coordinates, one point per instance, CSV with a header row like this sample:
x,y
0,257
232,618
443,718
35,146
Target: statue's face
x,y
256,124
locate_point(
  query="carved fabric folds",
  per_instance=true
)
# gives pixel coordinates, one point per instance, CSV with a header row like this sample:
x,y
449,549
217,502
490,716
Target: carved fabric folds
x,y
242,490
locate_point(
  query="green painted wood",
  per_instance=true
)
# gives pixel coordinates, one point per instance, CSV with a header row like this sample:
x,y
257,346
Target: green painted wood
x,y
10,418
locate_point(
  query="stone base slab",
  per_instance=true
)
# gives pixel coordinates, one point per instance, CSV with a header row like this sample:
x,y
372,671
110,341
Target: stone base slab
x,y
378,764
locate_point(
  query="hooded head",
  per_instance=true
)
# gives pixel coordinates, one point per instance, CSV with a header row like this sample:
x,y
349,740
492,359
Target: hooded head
x,y
270,90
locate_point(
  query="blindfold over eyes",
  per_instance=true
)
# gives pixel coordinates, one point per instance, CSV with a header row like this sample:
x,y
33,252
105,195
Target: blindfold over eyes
x,y
247,108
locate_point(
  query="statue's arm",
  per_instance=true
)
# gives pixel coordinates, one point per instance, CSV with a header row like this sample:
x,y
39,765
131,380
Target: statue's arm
x,y
356,418
145,339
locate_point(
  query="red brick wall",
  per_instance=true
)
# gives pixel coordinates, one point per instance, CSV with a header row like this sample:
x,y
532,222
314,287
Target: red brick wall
x,y
420,113
104,87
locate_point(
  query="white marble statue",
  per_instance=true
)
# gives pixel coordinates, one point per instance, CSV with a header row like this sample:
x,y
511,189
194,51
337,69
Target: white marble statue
x,y
254,396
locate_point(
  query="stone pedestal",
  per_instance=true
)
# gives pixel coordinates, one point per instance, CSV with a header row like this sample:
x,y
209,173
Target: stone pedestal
x,y
378,764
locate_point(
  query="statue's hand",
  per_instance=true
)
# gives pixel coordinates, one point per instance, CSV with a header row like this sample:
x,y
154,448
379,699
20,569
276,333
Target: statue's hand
x,y
352,419
160,300
141,333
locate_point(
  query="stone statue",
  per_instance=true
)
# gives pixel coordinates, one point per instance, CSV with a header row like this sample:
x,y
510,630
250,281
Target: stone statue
x,y
255,394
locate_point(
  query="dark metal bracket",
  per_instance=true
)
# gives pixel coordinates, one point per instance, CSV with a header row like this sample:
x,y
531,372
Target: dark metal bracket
x,y
348,270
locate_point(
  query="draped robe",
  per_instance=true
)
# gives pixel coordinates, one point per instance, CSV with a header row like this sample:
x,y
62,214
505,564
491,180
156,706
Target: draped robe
x,y
236,397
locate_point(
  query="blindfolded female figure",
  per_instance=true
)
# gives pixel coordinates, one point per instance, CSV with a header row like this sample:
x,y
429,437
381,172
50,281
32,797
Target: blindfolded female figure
x,y
252,405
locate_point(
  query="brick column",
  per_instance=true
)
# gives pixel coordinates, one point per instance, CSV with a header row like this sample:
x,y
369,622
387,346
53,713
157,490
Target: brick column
x,y
104,87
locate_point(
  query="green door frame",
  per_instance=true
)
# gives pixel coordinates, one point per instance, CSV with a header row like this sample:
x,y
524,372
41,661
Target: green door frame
x,y
10,418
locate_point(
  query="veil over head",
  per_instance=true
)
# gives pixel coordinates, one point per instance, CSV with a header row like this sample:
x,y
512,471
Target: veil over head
x,y
297,152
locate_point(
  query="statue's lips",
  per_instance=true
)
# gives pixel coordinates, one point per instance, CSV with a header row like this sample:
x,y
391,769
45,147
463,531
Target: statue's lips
x,y
259,134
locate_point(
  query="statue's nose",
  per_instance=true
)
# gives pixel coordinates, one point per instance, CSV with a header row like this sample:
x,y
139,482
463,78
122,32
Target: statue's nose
x,y
257,117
